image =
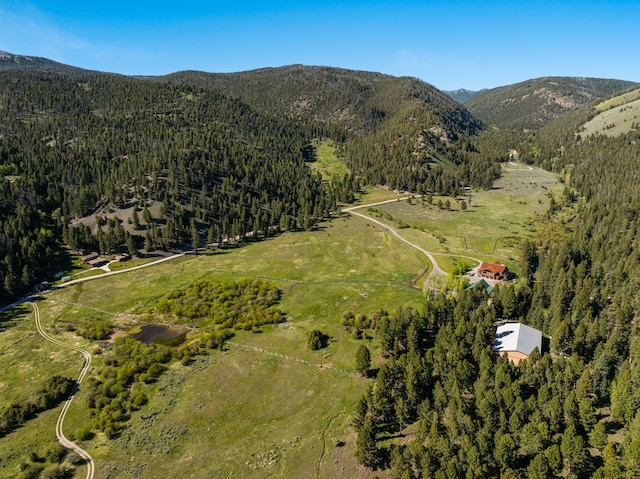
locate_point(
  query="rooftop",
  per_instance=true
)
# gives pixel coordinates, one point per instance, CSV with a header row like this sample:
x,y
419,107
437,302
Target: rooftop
x,y
517,337
493,267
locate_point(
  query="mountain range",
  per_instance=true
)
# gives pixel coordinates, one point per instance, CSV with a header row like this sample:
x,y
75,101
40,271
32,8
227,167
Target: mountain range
x,y
108,163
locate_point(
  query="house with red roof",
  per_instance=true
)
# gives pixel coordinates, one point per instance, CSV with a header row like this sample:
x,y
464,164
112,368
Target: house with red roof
x,y
493,271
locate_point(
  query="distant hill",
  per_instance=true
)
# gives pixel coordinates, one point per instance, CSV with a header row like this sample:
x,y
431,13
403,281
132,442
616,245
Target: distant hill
x,y
358,100
532,103
9,61
461,95
387,125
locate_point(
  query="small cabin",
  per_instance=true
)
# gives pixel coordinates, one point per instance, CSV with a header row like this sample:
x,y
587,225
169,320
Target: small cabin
x,y
96,262
88,257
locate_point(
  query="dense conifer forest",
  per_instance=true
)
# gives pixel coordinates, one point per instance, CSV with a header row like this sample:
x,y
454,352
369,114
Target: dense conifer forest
x,y
570,410
399,132
200,165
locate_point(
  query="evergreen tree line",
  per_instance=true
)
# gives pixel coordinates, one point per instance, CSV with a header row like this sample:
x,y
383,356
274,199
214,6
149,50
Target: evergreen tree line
x,y
571,411
78,143
56,389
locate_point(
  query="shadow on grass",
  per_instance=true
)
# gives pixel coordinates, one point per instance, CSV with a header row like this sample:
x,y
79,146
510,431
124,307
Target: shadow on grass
x,y
10,318
372,373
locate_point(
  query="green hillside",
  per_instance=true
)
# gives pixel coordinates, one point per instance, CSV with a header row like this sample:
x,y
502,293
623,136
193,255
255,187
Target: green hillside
x,y
532,103
358,101
615,116
391,127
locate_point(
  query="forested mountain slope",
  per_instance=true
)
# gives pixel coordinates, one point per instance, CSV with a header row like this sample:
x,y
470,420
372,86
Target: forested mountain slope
x,y
71,142
205,157
396,131
532,103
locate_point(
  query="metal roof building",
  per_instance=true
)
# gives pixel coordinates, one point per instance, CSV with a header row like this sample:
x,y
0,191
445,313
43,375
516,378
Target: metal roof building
x,y
517,341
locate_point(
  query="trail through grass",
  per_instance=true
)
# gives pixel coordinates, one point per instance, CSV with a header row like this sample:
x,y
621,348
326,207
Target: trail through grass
x,y
491,227
240,412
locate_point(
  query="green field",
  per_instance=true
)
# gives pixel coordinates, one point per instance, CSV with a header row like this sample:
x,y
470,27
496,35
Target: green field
x,y
327,161
619,100
244,413
261,416
618,115
490,229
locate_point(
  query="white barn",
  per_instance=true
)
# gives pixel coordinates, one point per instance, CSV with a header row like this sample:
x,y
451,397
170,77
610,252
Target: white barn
x,y
516,341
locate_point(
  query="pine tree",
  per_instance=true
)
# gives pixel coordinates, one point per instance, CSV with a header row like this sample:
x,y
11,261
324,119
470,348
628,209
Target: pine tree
x,y
366,449
363,360
135,221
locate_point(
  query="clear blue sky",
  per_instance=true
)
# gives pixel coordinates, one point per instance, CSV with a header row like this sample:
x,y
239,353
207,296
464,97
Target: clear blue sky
x,y
450,44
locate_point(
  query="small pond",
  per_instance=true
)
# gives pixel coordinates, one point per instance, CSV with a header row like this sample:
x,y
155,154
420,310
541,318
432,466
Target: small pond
x,y
155,333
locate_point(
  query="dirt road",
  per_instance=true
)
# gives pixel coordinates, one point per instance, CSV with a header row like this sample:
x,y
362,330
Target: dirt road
x,y
434,271
67,404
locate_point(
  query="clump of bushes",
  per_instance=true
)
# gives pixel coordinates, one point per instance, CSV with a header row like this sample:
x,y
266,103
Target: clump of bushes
x,y
244,304
95,329
56,389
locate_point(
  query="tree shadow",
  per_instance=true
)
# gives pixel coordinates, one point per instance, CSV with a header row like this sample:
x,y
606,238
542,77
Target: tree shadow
x,y
372,373
324,340
10,318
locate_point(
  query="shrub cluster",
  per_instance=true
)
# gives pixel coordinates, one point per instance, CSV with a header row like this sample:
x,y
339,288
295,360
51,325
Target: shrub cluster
x,y
56,389
111,392
243,304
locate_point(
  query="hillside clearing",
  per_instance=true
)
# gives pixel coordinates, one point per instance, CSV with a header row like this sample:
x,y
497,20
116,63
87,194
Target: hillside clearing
x,y
327,161
615,121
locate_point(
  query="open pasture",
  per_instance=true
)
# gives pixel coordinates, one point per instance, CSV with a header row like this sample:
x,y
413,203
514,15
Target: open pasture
x,y
491,227
237,413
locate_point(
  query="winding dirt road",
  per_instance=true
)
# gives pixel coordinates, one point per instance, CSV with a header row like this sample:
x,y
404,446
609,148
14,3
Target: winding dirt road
x,y
120,271
436,269
67,404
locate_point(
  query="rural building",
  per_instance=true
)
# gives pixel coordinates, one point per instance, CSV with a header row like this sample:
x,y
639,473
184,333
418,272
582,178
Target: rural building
x,y
516,341
122,257
96,262
494,271
88,257
482,283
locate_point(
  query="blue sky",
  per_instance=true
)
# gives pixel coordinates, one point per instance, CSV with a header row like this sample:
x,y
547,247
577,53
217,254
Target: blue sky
x,y
455,44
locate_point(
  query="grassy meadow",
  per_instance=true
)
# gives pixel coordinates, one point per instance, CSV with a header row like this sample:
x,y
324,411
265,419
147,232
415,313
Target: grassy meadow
x,y
616,116
238,413
491,227
327,161
244,413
